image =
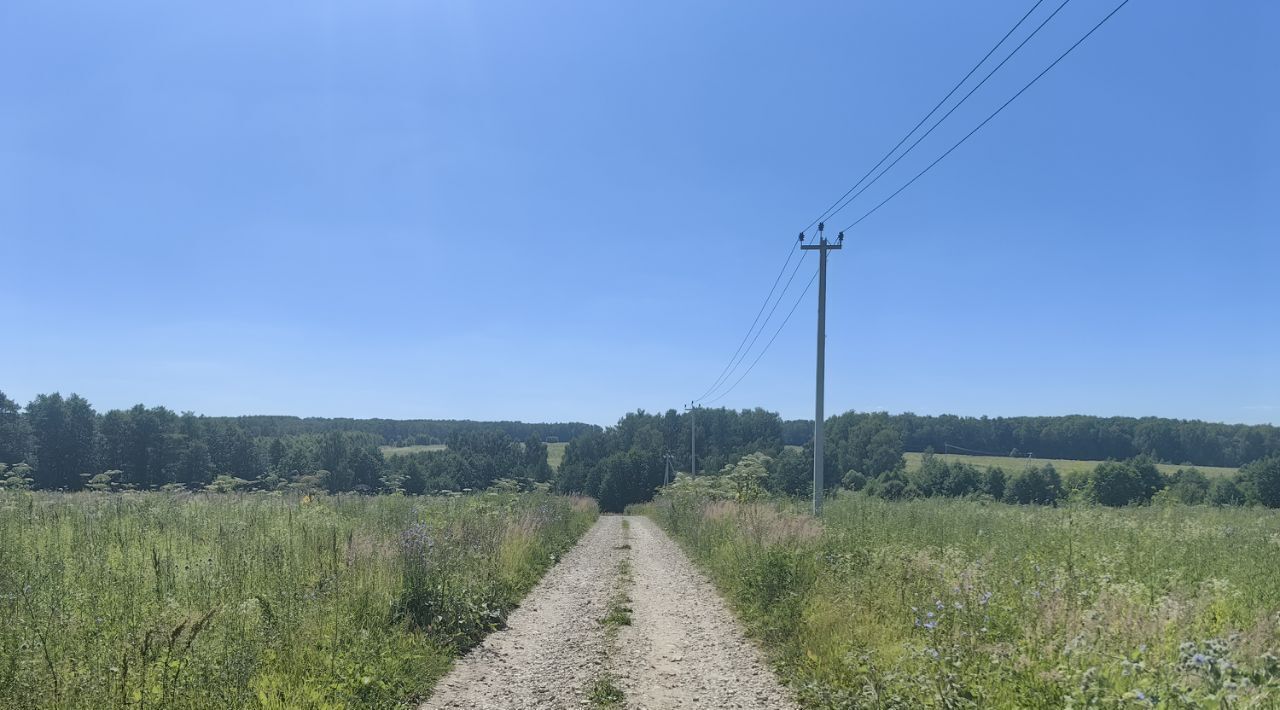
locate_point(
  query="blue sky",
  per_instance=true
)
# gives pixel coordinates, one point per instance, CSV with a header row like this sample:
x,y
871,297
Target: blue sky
x,y
569,210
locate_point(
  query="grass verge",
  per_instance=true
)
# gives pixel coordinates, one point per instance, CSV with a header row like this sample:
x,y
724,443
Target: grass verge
x,y
952,603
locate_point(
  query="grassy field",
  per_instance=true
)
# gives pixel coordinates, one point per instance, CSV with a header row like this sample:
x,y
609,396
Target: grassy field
x,y
555,454
957,604
555,451
1064,466
256,600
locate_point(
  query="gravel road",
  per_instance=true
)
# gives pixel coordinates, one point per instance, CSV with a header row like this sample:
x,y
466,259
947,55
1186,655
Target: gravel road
x,y
683,648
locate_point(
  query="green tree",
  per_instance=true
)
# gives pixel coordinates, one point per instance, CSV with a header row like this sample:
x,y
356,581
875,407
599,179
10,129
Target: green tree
x,y
13,433
63,431
791,473
1261,481
534,459
195,467
1225,491
1116,484
993,482
1036,484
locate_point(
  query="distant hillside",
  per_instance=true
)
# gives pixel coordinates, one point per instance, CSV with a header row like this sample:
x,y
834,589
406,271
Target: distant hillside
x,y
400,432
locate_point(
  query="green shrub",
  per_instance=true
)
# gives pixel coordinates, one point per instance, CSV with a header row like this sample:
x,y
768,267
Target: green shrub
x,y
1115,484
1225,491
1189,486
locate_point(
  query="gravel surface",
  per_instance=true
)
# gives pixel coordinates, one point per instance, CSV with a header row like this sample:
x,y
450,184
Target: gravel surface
x,y
683,648
554,646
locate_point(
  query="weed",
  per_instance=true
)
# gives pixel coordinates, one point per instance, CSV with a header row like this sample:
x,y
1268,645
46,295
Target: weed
x,y
605,693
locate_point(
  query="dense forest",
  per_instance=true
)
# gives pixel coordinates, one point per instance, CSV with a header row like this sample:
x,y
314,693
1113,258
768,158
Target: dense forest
x,y
57,442
398,432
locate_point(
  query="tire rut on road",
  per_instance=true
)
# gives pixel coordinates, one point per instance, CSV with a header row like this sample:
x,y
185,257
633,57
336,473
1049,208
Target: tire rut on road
x,y
684,648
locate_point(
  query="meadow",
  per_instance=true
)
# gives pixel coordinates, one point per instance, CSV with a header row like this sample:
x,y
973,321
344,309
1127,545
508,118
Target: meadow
x,y
967,604
555,451
259,600
1064,466
555,454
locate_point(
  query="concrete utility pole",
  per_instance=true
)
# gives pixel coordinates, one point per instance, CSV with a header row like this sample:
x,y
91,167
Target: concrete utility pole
x,y
823,247
692,409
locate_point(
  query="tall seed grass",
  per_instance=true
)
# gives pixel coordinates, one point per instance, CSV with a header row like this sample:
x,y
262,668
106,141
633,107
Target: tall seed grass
x,y
952,603
214,601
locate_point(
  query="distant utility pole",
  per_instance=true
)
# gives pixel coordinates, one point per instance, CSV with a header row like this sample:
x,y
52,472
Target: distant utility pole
x,y
671,466
692,409
823,247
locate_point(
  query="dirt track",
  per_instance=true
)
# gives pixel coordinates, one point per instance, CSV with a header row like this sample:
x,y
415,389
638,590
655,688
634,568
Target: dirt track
x,y
682,650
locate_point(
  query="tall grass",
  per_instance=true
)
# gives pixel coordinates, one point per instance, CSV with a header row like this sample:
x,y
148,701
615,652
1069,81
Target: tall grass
x,y
953,603
201,601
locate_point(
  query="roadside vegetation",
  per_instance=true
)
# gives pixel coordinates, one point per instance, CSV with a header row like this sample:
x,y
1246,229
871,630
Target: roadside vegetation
x,y
973,603
180,600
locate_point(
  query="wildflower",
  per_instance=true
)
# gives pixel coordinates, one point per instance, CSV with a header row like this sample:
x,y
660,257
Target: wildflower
x,y
986,597
1200,659
931,625
933,653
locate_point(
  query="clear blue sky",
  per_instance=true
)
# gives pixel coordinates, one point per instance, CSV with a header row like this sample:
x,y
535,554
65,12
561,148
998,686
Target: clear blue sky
x,y
569,210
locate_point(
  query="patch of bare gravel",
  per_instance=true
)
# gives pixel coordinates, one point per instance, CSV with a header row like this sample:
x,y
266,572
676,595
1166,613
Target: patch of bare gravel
x,y
684,648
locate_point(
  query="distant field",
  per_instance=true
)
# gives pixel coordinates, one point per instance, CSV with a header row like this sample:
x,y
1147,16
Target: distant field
x,y
406,450
1064,466
555,454
555,451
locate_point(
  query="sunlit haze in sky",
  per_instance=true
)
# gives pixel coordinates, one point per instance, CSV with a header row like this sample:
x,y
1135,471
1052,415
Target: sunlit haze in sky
x,y
569,210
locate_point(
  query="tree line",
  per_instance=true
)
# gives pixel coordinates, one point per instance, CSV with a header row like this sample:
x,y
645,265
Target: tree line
x,y
62,443
58,442
1078,437
399,432
1136,481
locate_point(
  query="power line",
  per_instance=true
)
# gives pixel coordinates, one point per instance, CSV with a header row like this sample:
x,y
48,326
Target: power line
x,y
995,113
740,353
724,373
926,117
952,110
786,287
766,345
